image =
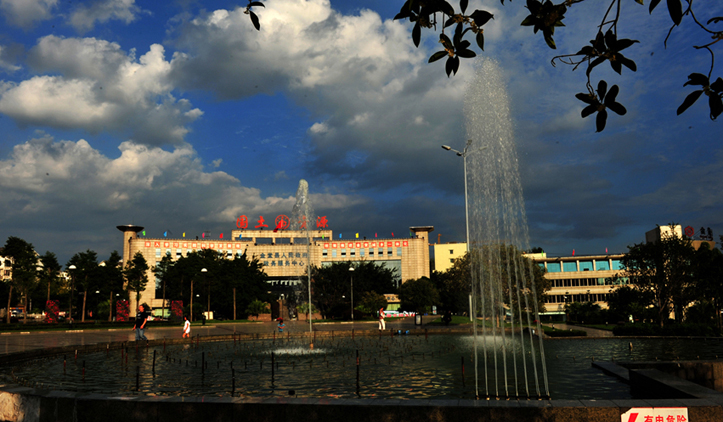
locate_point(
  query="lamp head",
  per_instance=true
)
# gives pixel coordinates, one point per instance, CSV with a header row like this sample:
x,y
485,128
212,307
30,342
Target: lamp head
x,y
446,147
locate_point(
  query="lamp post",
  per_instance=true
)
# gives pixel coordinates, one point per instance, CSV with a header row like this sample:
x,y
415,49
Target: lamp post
x,y
72,287
208,308
351,275
463,154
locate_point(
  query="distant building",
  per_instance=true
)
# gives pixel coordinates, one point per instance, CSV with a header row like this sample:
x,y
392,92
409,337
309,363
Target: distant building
x,y
284,253
446,253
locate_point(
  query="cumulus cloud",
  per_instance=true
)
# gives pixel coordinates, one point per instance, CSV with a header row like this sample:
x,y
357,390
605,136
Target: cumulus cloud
x,y
82,188
25,13
96,86
84,17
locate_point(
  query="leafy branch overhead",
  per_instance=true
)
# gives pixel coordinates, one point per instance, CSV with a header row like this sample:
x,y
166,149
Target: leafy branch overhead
x,y
545,17
252,15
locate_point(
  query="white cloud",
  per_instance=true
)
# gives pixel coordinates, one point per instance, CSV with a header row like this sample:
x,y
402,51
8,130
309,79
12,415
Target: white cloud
x,y
7,59
25,13
84,17
100,88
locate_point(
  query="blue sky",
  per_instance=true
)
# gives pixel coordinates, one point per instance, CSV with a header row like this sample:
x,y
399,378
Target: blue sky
x,y
179,116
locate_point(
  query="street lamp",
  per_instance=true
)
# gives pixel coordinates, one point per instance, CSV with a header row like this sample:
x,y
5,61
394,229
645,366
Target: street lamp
x,y
208,308
351,275
463,154
72,287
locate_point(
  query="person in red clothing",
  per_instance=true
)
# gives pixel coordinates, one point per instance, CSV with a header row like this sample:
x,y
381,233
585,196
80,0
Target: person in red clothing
x,y
382,324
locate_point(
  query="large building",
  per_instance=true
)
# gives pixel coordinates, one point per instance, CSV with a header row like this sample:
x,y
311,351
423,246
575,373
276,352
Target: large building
x,y
285,254
587,278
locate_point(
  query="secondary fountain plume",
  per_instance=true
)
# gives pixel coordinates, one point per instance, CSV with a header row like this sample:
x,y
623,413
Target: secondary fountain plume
x,y
302,219
502,281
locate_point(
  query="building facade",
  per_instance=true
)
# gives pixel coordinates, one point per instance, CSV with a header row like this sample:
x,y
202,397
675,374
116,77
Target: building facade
x,y
285,254
446,253
586,278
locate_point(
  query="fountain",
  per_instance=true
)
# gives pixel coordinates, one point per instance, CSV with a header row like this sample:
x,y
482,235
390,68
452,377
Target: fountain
x,y
303,217
502,286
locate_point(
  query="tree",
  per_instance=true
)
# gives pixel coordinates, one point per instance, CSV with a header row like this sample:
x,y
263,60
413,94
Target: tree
x,y
111,275
545,17
135,275
664,270
256,307
331,285
371,302
162,272
49,273
87,274
624,301
708,273
453,285
24,267
418,295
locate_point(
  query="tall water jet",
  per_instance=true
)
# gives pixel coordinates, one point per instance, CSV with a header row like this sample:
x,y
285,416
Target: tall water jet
x,y
502,289
302,218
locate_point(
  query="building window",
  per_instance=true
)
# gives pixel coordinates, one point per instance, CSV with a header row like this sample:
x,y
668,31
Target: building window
x,y
569,266
229,254
602,265
333,253
389,251
586,266
361,252
399,251
178,253
324,252
352,252
158,253
381,251
343,252
371,252
451,251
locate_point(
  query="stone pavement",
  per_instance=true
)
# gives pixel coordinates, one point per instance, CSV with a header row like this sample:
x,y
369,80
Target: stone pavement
x,y
16,342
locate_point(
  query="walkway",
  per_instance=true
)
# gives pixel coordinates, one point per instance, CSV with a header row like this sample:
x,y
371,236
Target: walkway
x,y
591,332
16,342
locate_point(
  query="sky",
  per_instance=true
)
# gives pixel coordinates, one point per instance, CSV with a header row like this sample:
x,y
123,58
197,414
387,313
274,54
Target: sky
x,y
180,117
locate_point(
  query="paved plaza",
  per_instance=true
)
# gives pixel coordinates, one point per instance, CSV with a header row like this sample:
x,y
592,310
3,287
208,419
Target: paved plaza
x,y
20,341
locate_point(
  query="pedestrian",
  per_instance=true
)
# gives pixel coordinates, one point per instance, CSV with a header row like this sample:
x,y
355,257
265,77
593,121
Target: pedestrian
x,y
140,325
281,325
186,327
382,323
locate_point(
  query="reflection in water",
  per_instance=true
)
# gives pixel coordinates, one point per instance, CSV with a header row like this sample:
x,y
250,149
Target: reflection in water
x,y
402,367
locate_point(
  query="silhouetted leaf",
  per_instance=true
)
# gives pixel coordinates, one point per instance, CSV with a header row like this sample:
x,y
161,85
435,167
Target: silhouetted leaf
x,y
689,100
452,65
467,54
550,42
416,34
481,41
617,108
481,17
717,86
589,110
697,79
436,56
255,20
256,3
463,5
675,8
627,62
602,88
586,98
715,20
716,106
653,3
601,119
